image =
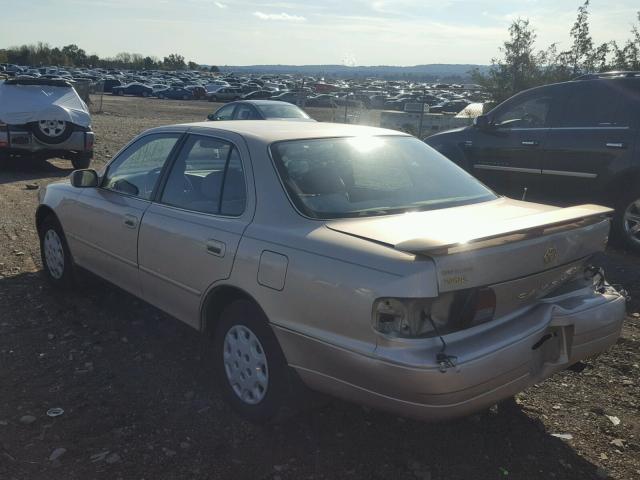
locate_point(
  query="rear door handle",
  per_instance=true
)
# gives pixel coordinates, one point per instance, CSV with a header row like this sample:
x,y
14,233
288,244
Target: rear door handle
x,y
530,143
615,145
130,221
215,247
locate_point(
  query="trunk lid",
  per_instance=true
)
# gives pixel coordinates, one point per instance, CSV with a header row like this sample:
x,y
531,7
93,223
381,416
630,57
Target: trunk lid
x,y
490,242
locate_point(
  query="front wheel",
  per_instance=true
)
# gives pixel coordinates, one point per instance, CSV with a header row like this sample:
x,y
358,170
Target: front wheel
x,y
55,254
626,222
251,369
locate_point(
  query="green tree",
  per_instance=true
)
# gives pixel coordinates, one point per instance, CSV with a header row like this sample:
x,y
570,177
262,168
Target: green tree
x,y
581,54
518,68
174,62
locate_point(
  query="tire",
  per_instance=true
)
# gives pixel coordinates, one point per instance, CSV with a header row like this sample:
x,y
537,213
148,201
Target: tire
x,y
161,97
55,254
627,206
185,97
145,94
266,366
52,132
81,160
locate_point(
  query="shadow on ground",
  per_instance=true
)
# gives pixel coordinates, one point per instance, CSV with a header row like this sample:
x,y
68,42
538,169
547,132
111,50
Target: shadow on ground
x,y
24,170
135,383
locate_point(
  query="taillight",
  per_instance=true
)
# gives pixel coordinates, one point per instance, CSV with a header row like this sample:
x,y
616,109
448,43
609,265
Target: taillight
x,y
88,141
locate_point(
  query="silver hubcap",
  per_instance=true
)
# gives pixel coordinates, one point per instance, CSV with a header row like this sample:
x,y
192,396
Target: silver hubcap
x,y
53,254
52,128
245,364
632,221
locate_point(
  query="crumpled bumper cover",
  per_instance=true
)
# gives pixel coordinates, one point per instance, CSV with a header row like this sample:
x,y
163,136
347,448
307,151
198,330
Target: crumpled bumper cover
x,y
490,366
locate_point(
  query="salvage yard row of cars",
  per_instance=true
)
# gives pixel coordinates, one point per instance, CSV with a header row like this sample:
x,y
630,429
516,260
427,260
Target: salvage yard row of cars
x,y
445,297
307,91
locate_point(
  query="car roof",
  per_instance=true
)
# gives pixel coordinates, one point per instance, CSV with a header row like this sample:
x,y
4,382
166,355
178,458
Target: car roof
x,y
270,131
257,103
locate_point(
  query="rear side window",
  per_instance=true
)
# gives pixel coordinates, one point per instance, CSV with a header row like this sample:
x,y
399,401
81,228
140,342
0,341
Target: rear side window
x,y
595,104
207,177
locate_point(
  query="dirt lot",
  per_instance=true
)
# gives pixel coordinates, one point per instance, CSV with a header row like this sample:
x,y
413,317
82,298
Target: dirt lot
x,y
139,404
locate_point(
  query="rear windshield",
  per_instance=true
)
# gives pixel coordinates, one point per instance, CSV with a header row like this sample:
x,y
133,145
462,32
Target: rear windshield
x,y
286,110
375,175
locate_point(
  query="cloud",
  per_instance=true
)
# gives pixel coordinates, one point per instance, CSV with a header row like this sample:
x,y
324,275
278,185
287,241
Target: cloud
x,y
220,5
285,17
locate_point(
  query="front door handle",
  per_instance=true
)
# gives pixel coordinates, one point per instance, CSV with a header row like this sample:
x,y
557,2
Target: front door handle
x,y
530,143
215,247
130,221
615,145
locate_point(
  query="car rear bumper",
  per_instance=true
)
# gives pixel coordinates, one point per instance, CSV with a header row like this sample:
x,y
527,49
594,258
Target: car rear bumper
x,y
491,365
22,142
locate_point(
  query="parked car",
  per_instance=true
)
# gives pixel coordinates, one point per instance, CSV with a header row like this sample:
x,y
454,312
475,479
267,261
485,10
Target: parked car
x,y
564,143
323,100
259,110
176,93
199,92
358,258
290,97
224,94
452,106
109,83
136,89
257,95
44,119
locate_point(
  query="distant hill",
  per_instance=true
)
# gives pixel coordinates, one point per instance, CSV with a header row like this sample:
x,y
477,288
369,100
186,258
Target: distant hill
x,y
433,72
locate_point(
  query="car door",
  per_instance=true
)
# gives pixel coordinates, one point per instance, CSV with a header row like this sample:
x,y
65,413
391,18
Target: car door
x,y
103,231
189,236
508,153
591,141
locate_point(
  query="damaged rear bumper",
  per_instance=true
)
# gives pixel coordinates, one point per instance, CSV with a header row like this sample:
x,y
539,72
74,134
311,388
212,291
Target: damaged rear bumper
x,y
492,361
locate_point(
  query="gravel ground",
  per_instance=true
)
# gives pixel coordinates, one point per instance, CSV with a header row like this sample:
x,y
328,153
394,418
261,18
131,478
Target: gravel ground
x,y
139,403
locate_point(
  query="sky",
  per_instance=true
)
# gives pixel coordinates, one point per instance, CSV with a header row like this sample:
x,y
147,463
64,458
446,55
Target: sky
x,y
351,32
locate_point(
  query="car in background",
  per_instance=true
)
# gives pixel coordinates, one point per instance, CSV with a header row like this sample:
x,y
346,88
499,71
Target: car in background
x,y
323,100
452,106
176,93
43,119
260,110
354,260
136,89
564,143
199,92
258,95
109,83
290,97
225,94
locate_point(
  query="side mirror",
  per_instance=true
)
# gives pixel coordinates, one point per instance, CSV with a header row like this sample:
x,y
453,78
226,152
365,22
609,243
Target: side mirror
x,y
211,117
482,122
84,178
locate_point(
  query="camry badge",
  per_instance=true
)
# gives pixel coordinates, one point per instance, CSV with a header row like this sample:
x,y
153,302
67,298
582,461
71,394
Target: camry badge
x,y
550,255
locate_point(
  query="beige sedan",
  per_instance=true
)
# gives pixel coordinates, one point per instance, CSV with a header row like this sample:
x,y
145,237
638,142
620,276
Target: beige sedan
x,y
356,261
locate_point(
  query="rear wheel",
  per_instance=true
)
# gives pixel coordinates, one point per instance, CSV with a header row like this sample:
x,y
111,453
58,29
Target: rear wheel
x,y
626,222
250,366
145,94
56,257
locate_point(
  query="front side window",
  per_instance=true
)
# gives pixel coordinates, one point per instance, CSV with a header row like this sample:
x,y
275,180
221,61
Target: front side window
x,y
286,110
207,177
136,170
372,175
246,112
224,113
529,112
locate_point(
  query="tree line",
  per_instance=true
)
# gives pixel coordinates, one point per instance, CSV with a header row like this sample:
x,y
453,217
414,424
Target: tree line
x,y
521,66
42,54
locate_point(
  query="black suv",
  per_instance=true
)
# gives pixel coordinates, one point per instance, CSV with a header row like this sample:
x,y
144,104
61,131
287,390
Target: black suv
x,y
565,143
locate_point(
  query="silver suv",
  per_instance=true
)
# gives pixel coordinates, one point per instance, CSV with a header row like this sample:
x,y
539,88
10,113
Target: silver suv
x,y
42,119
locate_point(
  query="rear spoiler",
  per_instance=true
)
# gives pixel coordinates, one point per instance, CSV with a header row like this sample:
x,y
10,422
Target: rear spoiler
x,y
506,232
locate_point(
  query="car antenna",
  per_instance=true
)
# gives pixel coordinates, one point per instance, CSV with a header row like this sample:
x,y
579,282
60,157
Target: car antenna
x,y
524,194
